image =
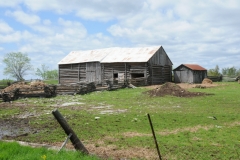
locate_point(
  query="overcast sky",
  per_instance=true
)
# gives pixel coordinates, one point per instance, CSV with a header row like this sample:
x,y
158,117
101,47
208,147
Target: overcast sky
x,y
204,32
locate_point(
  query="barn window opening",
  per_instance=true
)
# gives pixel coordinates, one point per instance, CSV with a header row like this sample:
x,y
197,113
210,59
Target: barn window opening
x,y
115,75
137,75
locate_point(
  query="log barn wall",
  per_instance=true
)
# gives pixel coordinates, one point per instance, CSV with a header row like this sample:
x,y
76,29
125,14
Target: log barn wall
x,y
115,72
72,73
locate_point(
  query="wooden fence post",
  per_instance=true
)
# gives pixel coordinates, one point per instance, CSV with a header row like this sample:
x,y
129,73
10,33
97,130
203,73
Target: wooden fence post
x,y
68,130
154,137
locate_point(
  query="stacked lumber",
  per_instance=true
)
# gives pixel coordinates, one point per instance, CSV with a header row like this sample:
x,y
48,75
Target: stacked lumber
x,y
141,81
67,89
75,88
45,91
87,88
113,86
215,78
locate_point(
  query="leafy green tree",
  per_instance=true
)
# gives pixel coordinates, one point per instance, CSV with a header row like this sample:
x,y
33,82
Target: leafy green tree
x,y
238,72
52,74
17,65
45,73
214,72
42,72
230,71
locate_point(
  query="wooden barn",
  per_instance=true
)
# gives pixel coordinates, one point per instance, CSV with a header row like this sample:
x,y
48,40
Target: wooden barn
x,y
189,73
139,66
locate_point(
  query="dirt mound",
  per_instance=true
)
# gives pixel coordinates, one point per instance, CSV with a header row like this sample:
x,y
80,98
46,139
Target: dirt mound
x,y
207,81
173,90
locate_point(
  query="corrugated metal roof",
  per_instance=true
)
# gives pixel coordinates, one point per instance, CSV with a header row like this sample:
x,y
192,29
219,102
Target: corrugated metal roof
x,y
111,55
85,56
195,67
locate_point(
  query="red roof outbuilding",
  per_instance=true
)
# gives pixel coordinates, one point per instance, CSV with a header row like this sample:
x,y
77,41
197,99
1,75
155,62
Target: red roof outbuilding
x,y
195,67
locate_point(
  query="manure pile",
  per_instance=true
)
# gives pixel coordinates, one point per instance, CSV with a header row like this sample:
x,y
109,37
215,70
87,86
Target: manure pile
x,y
173,89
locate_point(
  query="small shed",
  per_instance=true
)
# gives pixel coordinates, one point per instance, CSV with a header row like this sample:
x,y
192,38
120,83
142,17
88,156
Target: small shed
x,y
189,73
139,66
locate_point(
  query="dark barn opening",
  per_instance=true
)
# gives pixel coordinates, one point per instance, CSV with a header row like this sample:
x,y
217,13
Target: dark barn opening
x,y
115,75
137,75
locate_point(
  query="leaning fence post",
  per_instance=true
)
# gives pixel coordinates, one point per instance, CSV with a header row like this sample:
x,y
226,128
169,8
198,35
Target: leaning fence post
x,y
68,130
155,140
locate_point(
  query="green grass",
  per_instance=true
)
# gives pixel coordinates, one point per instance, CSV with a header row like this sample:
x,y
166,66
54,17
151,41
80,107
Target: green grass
x,y
4,83
13,151
51,81
184,127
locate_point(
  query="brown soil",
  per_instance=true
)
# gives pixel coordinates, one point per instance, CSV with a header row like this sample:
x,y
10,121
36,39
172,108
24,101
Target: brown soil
x,y
173,90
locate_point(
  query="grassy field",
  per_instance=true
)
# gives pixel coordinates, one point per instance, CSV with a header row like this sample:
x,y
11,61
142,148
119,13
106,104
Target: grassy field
x,y
13,151
52,81
4,83
115,123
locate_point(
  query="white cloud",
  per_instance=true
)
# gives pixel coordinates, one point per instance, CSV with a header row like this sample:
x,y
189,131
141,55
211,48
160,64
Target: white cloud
x,y
16,36
47,22
43,29
73,29
12,37
24,18
12,3
94,10
5,28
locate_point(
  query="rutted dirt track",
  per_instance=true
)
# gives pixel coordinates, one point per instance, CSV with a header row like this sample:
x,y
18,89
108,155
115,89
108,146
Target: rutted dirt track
x,y
18,125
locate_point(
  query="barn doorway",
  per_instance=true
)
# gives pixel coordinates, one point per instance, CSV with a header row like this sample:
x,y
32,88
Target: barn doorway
x,y
93,72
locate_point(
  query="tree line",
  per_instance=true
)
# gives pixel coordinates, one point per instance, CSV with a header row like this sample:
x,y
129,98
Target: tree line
x,y
228,71
18,65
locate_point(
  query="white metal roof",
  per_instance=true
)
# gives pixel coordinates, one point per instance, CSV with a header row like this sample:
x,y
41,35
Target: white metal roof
x,y
111,55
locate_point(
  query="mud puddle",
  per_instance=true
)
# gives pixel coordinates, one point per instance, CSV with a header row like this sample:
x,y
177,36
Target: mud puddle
x,y
12,128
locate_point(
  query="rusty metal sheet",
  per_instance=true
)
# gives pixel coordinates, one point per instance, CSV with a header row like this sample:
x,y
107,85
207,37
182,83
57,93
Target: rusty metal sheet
x,y
130,54
111,55
195,67
84,56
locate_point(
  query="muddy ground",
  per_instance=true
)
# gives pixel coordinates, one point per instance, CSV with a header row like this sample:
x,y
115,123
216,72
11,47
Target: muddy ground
x,y
18,125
